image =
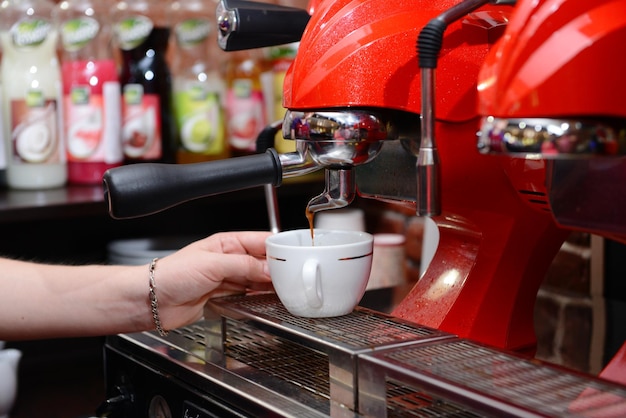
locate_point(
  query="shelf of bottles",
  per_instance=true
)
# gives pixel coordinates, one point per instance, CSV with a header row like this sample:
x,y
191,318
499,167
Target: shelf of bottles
x,y
89,85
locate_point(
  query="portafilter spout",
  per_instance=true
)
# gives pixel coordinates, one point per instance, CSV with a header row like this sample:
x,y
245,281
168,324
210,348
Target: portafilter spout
x,y
338,140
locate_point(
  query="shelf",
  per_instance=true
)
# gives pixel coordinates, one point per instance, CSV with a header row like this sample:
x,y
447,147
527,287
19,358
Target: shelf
x,y
53,203
73,200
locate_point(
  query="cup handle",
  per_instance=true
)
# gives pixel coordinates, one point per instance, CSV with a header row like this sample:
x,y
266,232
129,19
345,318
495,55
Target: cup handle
x,y
312,283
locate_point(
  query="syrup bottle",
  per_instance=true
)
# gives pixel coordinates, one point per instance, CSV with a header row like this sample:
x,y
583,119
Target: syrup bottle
x,y
91,91
198,88
141,30
246,100
31,78
281,58
3,160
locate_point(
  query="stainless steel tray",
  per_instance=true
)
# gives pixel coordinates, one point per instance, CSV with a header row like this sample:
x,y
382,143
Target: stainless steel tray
x,y
363,364
486,381
180,359
316,354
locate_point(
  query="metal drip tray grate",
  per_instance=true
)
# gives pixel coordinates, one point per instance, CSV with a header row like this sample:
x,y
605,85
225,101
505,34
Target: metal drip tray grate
x,y
337,341
363,329
406,402
496,382
279,358
250,349
192,339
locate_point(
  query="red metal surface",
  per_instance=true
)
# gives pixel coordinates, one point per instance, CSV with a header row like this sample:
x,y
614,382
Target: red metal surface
x,y
495,247
363,53
558,58
615,370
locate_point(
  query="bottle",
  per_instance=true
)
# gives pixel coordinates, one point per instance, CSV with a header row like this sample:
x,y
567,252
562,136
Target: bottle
x,y
198,88
281,58
3,160
31,81
141,30
246,105
91,91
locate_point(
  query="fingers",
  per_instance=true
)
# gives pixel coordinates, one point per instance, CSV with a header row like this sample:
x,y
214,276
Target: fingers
x,y
228,288
219,293
238,268
250,286
246,242
221,262
233,290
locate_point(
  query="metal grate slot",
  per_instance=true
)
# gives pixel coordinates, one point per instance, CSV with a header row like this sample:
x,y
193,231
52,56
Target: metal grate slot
x,y
406,401
190,339
194,332
282,359
515,380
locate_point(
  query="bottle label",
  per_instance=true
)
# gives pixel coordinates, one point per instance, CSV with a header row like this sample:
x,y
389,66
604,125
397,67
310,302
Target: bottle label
x,y
76,33
34,130
30,32
279,69
132,31
192,32
141,126
246,114
92,124
199,119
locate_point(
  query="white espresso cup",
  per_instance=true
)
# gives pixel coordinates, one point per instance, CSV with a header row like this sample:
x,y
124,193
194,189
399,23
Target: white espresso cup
x,y
321,279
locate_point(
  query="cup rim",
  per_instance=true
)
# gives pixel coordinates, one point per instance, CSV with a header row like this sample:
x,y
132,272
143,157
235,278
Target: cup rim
x,y
389,239
367,238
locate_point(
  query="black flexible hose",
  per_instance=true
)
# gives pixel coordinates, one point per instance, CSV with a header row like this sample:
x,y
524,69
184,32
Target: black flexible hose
x,y
430,38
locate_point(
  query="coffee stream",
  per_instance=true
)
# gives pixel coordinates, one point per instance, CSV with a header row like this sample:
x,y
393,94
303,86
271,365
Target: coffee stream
x,y
310,216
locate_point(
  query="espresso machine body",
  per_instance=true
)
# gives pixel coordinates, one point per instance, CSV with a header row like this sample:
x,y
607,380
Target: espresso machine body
x,y
497,238
461,342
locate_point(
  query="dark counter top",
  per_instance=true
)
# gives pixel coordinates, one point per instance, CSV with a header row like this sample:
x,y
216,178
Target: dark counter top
x,y
53,203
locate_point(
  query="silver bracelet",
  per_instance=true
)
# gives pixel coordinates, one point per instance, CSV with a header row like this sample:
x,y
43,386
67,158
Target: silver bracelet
x,y
154,303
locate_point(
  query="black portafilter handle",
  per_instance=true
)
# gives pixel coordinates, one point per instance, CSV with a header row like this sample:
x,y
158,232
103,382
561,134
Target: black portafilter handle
x,y
266,138
143,189
243,24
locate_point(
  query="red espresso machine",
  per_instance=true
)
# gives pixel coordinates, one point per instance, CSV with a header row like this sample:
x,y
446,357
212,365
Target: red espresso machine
x,y
393,122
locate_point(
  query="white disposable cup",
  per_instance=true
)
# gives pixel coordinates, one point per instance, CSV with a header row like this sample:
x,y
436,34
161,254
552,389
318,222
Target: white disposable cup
x,y
322,280
351,219
388,262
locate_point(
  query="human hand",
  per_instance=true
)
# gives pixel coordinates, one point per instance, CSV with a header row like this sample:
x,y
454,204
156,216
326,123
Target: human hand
x,y
221,264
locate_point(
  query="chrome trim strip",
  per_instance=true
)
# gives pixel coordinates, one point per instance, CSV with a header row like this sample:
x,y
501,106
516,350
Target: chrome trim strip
x,y
552,138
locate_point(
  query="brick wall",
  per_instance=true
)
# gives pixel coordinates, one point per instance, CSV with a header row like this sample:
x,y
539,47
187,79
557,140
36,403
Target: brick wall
x,y
564,309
